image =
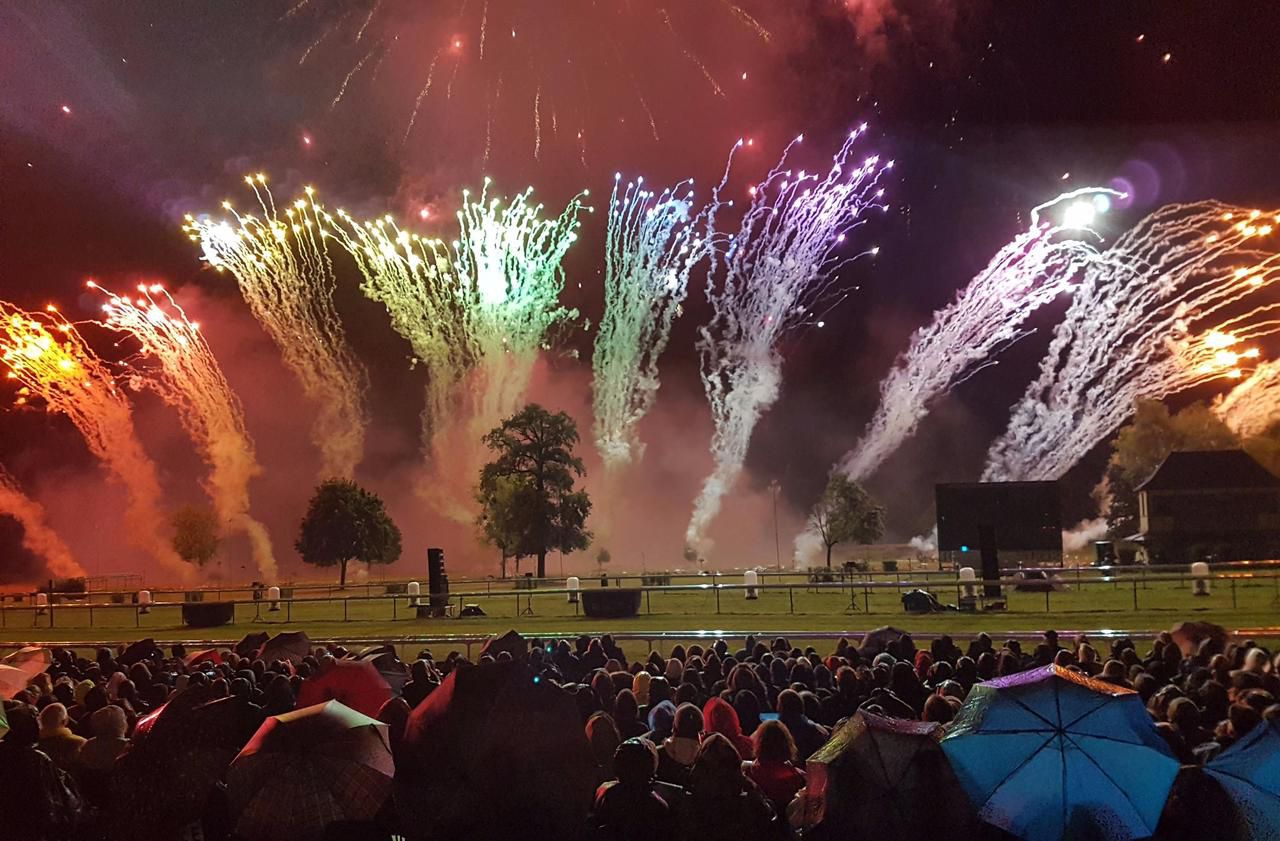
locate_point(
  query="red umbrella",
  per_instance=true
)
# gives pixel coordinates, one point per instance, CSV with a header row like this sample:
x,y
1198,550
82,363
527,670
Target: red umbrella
x,y
195,658
356,683
309,768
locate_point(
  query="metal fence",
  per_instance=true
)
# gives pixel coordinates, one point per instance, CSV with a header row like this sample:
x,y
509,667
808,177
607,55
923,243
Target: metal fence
x,y
1252,591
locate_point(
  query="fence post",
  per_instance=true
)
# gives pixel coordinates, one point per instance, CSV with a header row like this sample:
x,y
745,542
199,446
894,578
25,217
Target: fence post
x,y
1046,598
393,608
1233,593
648,608
791,595
90,616
137,617
717,589
866,597
1135,593
345,601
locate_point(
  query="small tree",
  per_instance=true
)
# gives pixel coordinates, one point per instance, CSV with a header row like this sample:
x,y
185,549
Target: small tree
x,y
196,534
846,513
344,523
536,446
602,559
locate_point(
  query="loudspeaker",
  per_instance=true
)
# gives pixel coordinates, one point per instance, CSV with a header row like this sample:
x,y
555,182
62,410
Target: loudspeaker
x,y
437,582
990,561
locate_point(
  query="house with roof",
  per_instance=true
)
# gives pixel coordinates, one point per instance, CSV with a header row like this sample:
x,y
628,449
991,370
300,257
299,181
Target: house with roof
x,y
1210,505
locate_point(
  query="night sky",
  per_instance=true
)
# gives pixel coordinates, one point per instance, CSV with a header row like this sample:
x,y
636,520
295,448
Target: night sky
x,y
117,118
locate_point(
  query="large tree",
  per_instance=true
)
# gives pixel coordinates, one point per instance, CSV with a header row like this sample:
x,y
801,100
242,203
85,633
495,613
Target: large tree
x,y
196,534
344,523
536,447
846,513
1146,441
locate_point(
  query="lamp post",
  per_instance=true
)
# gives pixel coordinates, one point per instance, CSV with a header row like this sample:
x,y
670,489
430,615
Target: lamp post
x,y
774,487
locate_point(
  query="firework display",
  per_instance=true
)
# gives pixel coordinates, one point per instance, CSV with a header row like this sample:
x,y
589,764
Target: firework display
x,y
286,277
1253,405
476,312
534,72
652,244
778,267
37,536
1177,301
175,361
987,316
54,367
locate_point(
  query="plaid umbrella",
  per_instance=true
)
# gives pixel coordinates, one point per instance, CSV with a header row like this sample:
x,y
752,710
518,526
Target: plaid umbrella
x,y
290,645
876,771
355,683
1049,754
306,769
1249,772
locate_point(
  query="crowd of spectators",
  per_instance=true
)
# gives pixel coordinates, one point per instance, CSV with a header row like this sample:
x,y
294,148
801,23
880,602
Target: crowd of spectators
x,y
705,743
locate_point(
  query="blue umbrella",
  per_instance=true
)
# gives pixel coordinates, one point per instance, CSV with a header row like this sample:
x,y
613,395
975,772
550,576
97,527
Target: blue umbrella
x,y
1050,754
1249,771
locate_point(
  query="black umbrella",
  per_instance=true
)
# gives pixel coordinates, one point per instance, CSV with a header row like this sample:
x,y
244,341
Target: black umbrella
x,y
139,651
495,752
252,644
879,640
165,781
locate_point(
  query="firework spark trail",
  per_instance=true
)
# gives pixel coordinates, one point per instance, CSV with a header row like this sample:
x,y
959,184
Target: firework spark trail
x,y
50,359
422,94
416,279
652,244
778,266
187,377
510,258
1253,406
1162,310
342,89
286,277
964,337
689,54
37,535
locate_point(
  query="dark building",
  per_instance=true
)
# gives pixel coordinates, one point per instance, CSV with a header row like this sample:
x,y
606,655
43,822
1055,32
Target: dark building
x,y
1210,505
1018,524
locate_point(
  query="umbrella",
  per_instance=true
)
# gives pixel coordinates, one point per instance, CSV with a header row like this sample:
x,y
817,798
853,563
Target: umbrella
x,y
12,681
180,753
195,658
4,722
1249,771
510,642
290,645
309,768
32,659
355,683
139,651
251,644
876,772
495,752
1189,635
1049,754
878,641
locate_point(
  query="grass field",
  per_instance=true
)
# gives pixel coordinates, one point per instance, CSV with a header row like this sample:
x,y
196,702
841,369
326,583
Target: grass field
x,y
1085,605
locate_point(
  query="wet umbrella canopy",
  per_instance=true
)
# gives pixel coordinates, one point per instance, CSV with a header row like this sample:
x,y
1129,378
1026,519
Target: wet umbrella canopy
x,y
1049,754
1249,772
307,769
876,772
495,752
